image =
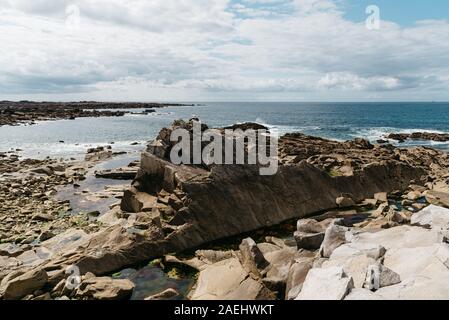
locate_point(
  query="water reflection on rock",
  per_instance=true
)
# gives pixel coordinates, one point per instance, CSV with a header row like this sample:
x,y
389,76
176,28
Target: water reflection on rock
x,y
151,280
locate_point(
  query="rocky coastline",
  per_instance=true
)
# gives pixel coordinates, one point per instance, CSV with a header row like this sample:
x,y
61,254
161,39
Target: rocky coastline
x,y
423,136
348,209
27,112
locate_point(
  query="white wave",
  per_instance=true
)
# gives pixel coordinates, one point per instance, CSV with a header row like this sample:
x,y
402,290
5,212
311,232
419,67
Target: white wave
x,y
376,133
72,150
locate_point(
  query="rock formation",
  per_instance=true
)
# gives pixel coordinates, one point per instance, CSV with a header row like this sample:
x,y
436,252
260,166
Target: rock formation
x,y
170,208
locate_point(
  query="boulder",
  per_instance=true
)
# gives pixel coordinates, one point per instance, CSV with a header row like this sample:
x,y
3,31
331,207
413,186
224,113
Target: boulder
x,y
354,267
427,261
381,196
415,256
232,284
252,259
378,276
381,210
352,249
125,173
326,284
400,237
312,226
104,288
296,277
417,288
18,284
309,241
414,195
432,217
10,250
437,198
111,218
334,237
344,202
280,262
135,201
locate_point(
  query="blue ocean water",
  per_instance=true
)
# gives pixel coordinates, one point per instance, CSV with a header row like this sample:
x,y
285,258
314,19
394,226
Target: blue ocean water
x,y
340,121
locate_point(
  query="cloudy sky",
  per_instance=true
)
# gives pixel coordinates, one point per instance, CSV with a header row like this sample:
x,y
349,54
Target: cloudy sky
x,y
223,50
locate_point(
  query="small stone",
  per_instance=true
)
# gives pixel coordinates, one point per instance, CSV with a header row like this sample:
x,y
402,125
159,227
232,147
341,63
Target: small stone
x,y
42,217
309,241
414,195
344,202
378,276
381,196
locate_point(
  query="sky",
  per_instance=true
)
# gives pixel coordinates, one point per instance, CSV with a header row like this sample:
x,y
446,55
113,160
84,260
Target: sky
x,y
224,50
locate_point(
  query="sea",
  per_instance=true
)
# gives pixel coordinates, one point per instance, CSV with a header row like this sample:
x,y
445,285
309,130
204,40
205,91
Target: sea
x,y
338,121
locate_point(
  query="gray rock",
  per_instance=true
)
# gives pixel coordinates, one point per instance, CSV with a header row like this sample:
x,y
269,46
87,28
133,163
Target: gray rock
x,y
378,276
10,250
309,241
326,284
432,217
354,267
296,277
253,261
334,237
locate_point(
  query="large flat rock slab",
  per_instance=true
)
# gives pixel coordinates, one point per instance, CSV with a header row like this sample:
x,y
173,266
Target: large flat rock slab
x,y
433,217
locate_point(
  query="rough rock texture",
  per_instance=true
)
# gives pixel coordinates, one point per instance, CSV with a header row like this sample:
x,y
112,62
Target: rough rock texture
x,y
379,276
18,284
433,217
252,258
326,284
438,198
104,288
170,208
233,283
310,233
334,237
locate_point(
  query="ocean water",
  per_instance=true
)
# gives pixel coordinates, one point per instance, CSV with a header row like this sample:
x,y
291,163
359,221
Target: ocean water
x,y
339,121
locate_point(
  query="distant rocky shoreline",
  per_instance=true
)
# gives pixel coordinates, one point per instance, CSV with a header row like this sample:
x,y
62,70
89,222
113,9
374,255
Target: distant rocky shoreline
x,y
424,136
361,207
27,112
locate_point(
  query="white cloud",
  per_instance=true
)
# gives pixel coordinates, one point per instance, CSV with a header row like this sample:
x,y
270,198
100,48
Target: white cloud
x,y
207,48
